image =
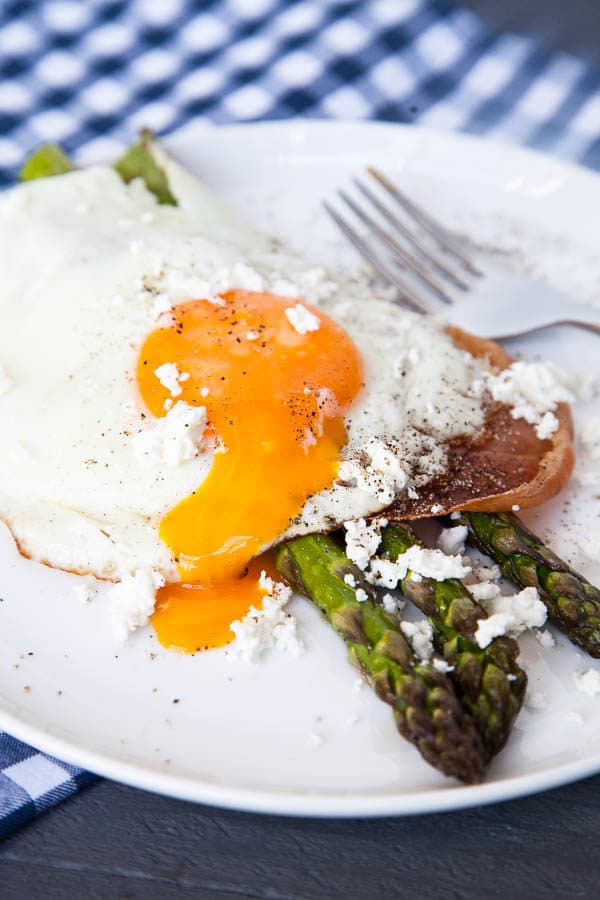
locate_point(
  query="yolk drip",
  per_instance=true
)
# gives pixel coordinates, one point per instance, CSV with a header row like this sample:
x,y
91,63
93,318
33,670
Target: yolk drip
x,y
275,401
194,617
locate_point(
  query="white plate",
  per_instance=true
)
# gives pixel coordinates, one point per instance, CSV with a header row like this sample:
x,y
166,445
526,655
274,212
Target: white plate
x,y
246,737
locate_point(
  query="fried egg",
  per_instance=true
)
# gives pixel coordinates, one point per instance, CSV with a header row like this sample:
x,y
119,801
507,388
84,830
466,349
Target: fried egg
x,y
180,392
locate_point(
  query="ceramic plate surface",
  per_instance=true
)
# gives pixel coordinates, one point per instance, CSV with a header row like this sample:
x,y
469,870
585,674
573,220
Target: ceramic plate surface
x,y
300,736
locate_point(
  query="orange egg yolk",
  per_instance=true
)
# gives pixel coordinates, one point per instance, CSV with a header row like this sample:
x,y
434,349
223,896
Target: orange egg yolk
x,y
275,401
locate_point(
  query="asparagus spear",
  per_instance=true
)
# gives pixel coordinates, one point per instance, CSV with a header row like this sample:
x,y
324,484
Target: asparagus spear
x,y
47,160
573,603
490,683
137,162
425,706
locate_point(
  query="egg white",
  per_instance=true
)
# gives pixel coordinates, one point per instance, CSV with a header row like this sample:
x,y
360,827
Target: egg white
x,y
87,264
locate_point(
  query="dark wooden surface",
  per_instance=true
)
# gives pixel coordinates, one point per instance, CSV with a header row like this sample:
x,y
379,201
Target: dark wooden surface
x,y
112,841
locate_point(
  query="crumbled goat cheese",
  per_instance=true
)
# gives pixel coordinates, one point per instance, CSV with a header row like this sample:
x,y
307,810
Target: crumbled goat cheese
x,y
511,615
169,376
420,635
546,639
487,573
361,595
392,605
536,700
83,592
132,601
440,665
173,439
268,627
383,477
246,278
452,540
385,573
533,390
412,493
588,682
422,562
484,590
436,508
302,319
362,540
5,380
350,580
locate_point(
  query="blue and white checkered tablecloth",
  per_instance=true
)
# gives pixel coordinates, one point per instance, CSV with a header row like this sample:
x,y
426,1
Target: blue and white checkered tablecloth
x,y
93,72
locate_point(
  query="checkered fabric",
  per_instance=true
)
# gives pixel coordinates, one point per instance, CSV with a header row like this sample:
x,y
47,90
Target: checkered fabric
x,y
81,72
30,782
93,72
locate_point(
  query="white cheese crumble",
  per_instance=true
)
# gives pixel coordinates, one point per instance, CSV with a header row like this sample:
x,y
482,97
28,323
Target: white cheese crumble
x,y
484,590
383,477
302,319
533,390
132,601
361,595
161,305
350,580
246,278
271,626
5,380
588,682
174,438
440,665
392,605
362,540
536,700
169,376
511,615
83,592
422,562
452,540
420,635
546,639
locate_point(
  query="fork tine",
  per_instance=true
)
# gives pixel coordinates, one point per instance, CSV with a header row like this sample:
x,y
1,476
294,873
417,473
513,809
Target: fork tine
x,y
406,260
445,238
378,264
423,251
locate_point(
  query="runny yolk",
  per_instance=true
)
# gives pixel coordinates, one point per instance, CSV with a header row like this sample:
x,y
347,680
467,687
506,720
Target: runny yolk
x,y
275,400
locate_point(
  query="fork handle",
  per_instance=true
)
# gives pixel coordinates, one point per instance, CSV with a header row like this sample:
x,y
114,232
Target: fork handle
x,y
579,323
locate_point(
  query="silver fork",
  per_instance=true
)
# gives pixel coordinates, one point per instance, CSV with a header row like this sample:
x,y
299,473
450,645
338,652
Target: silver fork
x,y
435,270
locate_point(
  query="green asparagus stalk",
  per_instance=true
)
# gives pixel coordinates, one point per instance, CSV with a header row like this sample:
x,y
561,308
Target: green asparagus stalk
x,y
490,683
46,161
573,603
139,162
426,708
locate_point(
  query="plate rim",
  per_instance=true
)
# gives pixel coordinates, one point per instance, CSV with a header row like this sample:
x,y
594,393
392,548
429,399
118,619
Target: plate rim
x,y
319,803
